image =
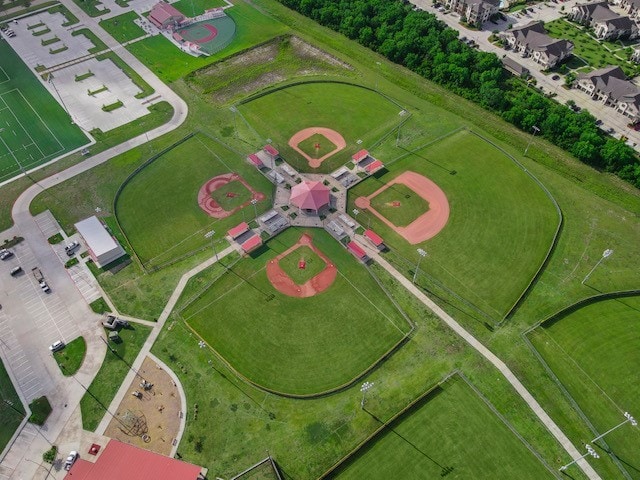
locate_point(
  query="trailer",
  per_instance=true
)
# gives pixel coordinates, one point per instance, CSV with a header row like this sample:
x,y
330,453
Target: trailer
x,y
37,274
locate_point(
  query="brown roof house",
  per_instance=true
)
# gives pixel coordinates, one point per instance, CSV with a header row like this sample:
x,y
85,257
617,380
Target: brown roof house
x,y
531,40
475,11
606,23
610,86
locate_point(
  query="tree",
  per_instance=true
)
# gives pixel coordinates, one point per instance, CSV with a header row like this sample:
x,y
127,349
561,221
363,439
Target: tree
x,y
616,155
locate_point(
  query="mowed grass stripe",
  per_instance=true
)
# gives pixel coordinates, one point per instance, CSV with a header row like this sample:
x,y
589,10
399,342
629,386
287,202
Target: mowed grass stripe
x,y
293,345
453,430
594,353
500,226
400,205
9,418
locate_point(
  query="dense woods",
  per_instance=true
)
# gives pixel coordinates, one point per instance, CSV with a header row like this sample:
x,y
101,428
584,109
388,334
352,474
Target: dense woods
x,y
424,44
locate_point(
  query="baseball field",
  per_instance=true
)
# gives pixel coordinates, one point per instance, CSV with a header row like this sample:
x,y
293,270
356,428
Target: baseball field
x,y
297,345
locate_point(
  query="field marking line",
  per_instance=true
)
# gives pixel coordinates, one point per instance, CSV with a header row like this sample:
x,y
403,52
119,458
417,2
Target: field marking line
x,y
576,364
21,126
42,121
214,154
374,305
6,75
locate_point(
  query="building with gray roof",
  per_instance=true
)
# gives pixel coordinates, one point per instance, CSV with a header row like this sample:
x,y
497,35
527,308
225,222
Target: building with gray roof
x,y
610,86
531,40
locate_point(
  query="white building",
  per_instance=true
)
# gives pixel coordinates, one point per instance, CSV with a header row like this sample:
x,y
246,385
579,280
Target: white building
x,y
103,248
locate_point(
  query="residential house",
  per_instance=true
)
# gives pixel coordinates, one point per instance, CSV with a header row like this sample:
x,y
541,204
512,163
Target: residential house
x,y
475,11
610,86
583,12
606,23
514,68
631,8
531,40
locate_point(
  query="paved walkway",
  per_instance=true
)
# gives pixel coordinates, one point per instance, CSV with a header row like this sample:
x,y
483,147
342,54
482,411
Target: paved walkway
x,y
486,353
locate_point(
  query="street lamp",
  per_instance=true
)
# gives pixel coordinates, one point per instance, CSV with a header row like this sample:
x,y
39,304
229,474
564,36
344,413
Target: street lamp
x,y
607,253
366,386
210,235
255,210
629,419
535,130
422,254
590,451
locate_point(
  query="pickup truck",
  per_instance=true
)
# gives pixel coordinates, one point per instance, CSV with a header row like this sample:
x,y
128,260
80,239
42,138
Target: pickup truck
x,y
37,274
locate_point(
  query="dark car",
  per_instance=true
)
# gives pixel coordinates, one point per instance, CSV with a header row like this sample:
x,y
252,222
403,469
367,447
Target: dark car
x,y
555,77
6,255
15,271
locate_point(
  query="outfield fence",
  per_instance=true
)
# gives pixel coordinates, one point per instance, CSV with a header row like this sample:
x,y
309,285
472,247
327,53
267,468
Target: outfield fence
x,y
269,461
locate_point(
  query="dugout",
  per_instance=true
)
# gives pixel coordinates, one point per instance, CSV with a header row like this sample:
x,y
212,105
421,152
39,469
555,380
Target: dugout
x,y
103,248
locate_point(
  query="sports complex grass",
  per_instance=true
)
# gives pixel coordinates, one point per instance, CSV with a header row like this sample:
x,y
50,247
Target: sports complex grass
x,y
294,345
122,27
158,209
354,112
594,353
33,126
500,227
453,430
231,195
313,264
399,204
70,358
9,418
308,146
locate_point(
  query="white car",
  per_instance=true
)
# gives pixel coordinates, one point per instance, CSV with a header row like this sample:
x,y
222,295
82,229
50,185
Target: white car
x,y
71,247
56,346
73,455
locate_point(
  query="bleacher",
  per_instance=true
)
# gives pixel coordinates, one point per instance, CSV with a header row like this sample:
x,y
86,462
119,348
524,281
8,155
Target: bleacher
x,y
347,221
273,222
275,176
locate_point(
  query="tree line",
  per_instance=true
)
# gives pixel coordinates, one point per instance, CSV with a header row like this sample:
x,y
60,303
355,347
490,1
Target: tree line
x,y
419,41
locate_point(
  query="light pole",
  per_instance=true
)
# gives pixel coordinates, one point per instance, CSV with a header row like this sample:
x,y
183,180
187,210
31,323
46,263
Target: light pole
x,y
210,235
590,451
422,254
366,386
255,210
535,130
629,419
607,253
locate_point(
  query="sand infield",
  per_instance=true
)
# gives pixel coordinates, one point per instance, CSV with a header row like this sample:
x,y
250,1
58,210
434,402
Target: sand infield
x,y
333,136
211,207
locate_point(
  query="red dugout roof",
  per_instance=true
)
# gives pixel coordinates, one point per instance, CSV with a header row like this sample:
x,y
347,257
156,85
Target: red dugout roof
x,y
356,250
374,237
238,230
373,166
255,160
359,156
251,244
271,150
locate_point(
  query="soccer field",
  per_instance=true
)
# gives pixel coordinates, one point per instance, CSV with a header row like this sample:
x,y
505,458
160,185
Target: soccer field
x,y
34,128
453,431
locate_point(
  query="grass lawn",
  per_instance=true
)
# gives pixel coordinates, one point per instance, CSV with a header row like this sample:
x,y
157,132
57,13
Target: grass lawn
x,y
499,230
111,374
231,195
158,209
90,7
169,63
9,418
440,434
309,145
40,410
70,358
25,102
122,27
313,264
196,7
400,205
594,352
293,345
99,306
354,112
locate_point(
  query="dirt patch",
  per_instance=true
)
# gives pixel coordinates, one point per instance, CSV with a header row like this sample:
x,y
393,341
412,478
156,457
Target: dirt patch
x,y
155,414
213,208
306,50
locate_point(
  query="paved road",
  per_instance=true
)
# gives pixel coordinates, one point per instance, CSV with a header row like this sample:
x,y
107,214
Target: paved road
x,y
31,329
486,353
609,117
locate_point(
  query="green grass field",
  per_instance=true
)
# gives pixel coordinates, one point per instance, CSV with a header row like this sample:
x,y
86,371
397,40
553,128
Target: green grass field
x,y
500,226
9,418
292,345
122,27
71,357
594,352
231,195
196,7
400,205
354,112
111,374
308,146
442,433
291,264
158,209
34,128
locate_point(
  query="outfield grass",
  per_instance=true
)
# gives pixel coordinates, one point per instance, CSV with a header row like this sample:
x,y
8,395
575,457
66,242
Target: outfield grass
x,y
499,230
400,205
122,27
111,374
293,345
308,146
594,352
192,8
354,112
35,128
9,418
231,195
170,63
158,209
71,357
441,434
291,264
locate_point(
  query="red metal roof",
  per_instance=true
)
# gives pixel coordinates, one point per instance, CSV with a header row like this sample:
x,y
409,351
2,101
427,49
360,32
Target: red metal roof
x,y
252,243
271,150
161,12
374,237
121,461
309,195
238,230
373,166
356,250
361,155
255,160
